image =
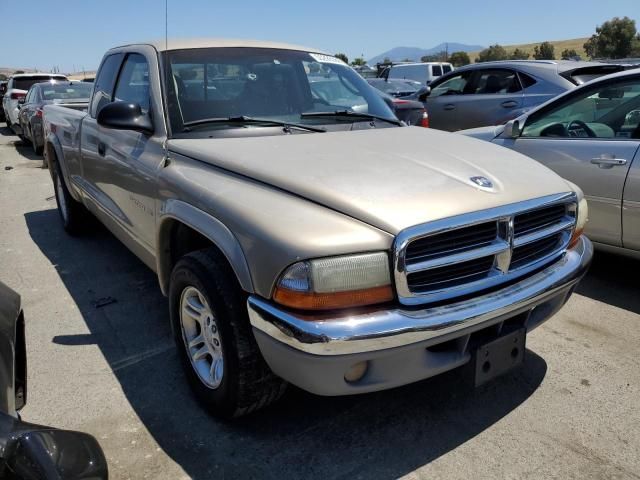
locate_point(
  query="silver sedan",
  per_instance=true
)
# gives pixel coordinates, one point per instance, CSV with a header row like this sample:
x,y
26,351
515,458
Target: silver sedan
x,y
590,136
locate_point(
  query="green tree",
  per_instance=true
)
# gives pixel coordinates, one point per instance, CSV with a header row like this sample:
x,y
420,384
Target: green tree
x,y
615,38
386,60
18,72
519,54
3,76
494,52
358,62
342,57
436,57
458,59
544,51
569,54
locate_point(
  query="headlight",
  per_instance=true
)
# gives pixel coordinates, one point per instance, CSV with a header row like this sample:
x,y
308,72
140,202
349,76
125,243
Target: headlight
x,y
336,282
582,216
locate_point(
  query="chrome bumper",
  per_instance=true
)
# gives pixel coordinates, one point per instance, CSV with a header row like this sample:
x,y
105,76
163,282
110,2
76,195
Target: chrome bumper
x,y
376,330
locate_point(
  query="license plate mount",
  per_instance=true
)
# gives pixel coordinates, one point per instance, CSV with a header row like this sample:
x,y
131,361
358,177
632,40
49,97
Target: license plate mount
x,y
499,356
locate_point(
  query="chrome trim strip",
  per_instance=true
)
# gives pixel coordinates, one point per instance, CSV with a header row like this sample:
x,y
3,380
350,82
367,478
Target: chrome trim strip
x,y
487,251
398,326
539,234
504,215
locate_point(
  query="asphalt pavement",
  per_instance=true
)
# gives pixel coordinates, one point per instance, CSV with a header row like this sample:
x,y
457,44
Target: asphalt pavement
x,y
101,359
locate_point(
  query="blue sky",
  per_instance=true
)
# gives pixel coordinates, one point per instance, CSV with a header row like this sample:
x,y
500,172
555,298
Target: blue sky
x,y
77,32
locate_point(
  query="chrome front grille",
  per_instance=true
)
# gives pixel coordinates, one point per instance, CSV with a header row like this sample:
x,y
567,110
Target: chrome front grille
x,y
457,256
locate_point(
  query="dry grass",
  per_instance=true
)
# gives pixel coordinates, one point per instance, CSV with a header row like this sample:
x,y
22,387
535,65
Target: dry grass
x,y
559,45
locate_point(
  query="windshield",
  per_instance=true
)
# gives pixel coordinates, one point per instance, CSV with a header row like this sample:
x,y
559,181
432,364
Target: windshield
x,y
281,85
73,91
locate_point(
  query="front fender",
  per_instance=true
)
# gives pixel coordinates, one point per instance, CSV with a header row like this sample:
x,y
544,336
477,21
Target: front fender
x,y
208,226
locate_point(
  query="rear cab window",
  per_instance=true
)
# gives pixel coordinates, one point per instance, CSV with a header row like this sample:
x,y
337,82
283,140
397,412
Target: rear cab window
x,y
25,83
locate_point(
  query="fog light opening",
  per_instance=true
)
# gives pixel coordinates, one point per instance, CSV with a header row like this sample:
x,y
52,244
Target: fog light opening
x,y
356,372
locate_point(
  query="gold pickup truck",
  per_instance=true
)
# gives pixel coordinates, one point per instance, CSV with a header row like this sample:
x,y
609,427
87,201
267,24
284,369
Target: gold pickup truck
x,y
304,235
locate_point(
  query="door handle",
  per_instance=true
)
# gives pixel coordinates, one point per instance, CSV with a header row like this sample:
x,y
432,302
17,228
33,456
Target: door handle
x,y
102,148
509,104
449,106
608,161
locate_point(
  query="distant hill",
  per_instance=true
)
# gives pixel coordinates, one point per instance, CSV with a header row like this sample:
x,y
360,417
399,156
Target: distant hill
x,y
398,54
559,45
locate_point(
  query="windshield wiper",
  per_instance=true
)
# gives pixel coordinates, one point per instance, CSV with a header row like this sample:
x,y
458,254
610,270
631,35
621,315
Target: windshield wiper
x,y
245,119
349,113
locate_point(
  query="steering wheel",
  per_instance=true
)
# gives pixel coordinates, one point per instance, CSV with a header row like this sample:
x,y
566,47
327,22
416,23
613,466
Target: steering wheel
x,y
575,126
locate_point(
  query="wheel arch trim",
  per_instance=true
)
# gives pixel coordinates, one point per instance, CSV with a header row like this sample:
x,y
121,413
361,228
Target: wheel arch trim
x,y
214,230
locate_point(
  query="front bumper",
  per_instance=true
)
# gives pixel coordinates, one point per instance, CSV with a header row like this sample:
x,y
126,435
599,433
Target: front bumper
x,y
314,352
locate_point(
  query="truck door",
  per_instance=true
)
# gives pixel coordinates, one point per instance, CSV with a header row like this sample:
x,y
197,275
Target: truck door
x,y
121,165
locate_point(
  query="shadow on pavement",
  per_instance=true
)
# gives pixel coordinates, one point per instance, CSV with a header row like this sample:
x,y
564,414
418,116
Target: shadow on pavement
x,y
23,147
382,435
613,279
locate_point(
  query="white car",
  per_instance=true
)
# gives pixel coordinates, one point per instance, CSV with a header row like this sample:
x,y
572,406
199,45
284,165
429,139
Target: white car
x,y
17,88
424,73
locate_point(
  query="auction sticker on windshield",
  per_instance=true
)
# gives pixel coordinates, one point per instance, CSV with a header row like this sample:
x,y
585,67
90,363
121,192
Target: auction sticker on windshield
x,y
326,59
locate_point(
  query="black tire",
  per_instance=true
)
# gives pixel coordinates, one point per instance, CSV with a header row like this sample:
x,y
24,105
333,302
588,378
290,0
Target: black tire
x,y
247,383
37,149
73,214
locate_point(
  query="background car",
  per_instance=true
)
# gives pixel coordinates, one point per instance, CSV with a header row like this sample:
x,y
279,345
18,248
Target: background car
x,y
71,94
3,88
29,451
396,88
590,136
492,93
411,112
424,72
17,88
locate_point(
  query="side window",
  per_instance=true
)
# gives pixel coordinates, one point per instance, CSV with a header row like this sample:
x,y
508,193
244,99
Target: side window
x,y
133,82
603,111
446,68
497,81
104,83
436,70
526,80
456,85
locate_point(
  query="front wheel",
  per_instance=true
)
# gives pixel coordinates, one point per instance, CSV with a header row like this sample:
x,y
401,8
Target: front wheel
x,y
211,328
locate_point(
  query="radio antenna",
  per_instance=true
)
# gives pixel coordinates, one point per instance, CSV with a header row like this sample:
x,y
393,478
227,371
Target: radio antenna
x,y
166,24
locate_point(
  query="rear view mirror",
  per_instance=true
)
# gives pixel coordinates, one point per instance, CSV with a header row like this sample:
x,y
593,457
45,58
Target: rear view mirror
x,y
423,93
55,454
512,129
125,116
611,93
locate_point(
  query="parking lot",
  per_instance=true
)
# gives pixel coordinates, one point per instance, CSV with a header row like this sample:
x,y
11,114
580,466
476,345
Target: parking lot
x,y
101,359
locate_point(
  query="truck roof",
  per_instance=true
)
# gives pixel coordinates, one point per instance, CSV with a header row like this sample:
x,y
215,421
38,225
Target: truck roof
x,y
162,45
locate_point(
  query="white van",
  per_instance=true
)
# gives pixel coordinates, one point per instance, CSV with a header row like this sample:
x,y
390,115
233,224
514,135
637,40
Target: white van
x,y
424,73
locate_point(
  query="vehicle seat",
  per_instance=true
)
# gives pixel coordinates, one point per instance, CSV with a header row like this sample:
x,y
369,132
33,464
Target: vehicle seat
x,y
493,85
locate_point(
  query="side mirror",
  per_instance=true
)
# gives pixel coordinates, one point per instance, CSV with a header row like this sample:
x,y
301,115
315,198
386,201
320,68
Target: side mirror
x,y
423,93
125,116
22,100
50,453
512,128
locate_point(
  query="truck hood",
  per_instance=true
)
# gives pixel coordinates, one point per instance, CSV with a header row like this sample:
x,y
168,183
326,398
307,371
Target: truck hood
x,y
390,178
